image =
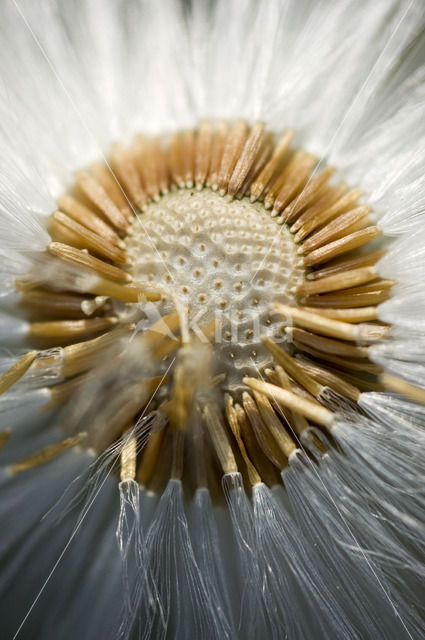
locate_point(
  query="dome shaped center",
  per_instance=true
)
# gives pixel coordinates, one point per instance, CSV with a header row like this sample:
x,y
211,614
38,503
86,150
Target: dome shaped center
x,y
225,261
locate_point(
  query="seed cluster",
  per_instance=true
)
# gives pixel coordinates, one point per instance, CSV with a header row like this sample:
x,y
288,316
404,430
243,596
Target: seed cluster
x,y
228,262
176,224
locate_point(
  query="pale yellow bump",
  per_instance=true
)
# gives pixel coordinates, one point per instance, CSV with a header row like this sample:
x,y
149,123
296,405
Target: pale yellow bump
x,y
16,371
310,410
47,453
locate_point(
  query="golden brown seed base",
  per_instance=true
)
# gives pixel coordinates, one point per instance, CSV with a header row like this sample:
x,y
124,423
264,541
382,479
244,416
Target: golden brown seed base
x,y
81,295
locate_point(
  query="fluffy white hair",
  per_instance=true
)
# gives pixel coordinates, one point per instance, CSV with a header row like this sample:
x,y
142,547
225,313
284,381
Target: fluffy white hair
x,y
348,76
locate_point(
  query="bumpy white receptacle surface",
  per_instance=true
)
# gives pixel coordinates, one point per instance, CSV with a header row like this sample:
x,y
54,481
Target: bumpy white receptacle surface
x,y
224,259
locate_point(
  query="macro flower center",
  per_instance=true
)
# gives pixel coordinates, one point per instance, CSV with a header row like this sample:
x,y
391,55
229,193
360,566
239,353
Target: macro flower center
x,y
212,373
202,293
227,261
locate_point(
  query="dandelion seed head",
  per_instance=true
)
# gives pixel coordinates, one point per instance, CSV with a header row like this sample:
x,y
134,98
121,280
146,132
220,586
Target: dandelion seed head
x,y
220,253
214,345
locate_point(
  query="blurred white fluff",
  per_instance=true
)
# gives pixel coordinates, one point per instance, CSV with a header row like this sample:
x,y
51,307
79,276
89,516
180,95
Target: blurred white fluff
x,y
209,556
187,604
349,77
295,580
139,589
326,506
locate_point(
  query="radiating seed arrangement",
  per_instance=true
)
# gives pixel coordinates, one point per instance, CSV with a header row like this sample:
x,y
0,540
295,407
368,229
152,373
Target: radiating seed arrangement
x,y
216,281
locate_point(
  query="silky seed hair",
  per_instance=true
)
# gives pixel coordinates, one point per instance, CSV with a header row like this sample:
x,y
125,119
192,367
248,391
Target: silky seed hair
x,y
217,277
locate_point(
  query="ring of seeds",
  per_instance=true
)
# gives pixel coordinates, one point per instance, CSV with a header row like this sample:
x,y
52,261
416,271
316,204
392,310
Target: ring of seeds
x,y
242,270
